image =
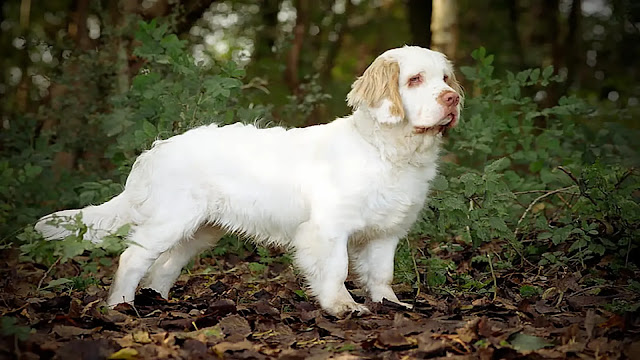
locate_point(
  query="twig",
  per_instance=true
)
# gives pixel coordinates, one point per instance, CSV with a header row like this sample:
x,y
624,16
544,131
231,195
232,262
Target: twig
x,y
535,201
624,177
133,305
47,273
626,260
565,201
493,275
570,174
415,267
595,287
575,180
469,217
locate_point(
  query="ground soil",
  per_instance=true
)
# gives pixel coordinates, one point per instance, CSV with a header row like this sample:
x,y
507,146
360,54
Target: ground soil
x,y
224,308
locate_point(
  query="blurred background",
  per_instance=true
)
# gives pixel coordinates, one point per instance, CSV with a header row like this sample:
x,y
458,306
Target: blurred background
x,y
73,110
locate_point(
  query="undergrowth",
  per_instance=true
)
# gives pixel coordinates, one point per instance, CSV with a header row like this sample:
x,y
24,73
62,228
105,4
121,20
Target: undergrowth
x,y
551,190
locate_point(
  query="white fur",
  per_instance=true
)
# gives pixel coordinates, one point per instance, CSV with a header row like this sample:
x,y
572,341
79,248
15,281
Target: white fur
x,y
336,194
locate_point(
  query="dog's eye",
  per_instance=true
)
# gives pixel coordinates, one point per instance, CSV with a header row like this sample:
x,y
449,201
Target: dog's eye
x,y
415,80
445,78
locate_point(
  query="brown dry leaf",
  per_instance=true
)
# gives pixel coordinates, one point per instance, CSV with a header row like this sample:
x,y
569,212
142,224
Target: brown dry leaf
x,y
469,332
632,351
571,347
235,324
393,339
590,320
542,308
86,349
126,341
551,353
262,307
141,337
194,347
223,347
615,321
68,332
430,346
580,301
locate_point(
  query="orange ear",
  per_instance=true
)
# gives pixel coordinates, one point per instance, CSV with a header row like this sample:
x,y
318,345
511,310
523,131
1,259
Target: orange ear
x,y
379,82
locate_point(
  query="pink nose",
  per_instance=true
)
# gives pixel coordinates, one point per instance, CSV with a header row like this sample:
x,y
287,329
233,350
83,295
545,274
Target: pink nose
x,y
449,98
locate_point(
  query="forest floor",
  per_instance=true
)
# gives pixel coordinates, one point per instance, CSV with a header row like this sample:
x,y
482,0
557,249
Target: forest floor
x,y
232,308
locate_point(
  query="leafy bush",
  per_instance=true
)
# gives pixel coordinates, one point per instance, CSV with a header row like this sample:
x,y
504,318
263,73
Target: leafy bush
x,y
559,195
170,95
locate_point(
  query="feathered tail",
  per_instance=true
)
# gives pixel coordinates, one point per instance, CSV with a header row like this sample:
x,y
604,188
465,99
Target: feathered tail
x,y
100,220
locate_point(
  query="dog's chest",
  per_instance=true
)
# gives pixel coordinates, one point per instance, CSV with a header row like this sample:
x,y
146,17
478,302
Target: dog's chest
x,y
396,200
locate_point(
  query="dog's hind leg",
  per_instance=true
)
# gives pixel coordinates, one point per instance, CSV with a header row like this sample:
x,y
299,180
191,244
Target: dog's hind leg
x,y
166,269
148,242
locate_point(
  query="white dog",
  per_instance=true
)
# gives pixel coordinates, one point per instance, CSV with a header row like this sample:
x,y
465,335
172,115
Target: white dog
x,y
336,195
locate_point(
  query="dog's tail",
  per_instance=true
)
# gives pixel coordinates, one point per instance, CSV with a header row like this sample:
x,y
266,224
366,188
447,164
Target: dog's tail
x,y
100,220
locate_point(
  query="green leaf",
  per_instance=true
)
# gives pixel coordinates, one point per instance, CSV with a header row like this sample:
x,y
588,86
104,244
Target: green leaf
x,y
547,72
440,183
536,166
544,235
9,326
524,342
498,165
300,293
149,129
57,282
535,75
529,291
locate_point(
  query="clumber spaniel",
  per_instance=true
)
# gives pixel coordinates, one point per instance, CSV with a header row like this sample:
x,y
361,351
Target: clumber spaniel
x,y
336,195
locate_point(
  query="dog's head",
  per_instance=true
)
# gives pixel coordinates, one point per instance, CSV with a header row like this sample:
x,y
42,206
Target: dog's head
x,y
410,84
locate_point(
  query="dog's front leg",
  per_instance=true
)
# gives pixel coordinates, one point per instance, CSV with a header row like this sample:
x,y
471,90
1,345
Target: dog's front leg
x,y
373,263
323,259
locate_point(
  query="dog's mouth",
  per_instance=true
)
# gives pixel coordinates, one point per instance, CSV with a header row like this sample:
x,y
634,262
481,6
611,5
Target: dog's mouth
x,y
440,128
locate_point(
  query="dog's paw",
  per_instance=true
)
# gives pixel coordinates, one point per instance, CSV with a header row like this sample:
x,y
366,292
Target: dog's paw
x,y
345,309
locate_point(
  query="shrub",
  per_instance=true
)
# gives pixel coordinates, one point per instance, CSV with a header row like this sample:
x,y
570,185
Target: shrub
x,y
557,195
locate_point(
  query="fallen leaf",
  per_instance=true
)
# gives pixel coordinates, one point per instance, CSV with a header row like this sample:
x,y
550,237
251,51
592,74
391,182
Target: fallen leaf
x,y
542,308
227,346
524,342
124,354
86,349
469,332
141,337
235,324
393,339
68,332
633,350
590,322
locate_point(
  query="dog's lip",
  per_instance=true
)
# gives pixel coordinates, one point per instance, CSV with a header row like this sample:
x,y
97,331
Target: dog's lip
x,y
438,128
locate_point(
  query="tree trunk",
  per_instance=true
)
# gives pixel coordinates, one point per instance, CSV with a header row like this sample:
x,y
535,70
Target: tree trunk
x,y
444,27
293,57
419,13
341,26
514,20
265,39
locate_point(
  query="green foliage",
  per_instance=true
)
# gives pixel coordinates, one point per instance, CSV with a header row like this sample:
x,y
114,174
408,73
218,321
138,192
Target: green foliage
x,y
533,176
9,327
530,291
171,95
437,270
